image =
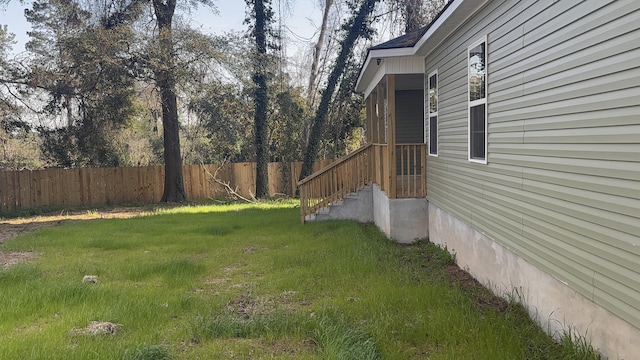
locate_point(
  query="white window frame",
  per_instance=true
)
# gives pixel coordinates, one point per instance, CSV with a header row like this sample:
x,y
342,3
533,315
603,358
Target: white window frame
x,y
425,105
430,114
478,102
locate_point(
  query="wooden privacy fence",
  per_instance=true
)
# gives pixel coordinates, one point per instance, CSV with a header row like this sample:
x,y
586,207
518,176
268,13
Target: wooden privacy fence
x,y
97,186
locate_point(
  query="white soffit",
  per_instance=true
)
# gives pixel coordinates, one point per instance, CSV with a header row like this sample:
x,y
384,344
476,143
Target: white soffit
x,y
453,16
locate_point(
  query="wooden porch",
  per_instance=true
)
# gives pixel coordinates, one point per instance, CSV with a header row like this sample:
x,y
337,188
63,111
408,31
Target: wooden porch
x,y
370,164
399,169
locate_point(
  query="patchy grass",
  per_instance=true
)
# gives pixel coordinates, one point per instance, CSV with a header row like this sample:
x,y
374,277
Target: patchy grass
x,y
249,281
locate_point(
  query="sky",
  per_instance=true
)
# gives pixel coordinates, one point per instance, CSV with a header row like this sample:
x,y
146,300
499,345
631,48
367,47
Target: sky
x,y
301,21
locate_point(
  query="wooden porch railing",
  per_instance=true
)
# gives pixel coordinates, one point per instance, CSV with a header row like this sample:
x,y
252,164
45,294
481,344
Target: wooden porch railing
x,y
335,181
369,164
411,164
380,166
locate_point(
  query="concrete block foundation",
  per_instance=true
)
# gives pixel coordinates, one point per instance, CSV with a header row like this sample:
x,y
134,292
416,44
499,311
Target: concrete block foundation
x,y
549,301
402,220
554,304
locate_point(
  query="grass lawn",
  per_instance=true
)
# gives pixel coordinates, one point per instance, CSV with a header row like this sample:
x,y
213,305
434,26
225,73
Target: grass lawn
x,y
250,282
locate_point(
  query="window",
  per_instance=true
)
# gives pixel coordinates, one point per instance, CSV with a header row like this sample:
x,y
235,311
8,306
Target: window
x,y
433,113
477,129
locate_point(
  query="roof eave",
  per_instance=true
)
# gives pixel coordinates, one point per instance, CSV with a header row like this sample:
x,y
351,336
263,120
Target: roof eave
x,y
371,63
458,10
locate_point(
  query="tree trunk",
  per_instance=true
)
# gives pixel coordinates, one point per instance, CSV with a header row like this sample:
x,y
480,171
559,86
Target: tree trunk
x,y
357,24
261,101
165,78
261,127
317,49
413,15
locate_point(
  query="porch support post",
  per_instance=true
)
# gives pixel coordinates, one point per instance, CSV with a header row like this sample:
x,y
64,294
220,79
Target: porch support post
x,y
391,134
380,100
370,121
375,126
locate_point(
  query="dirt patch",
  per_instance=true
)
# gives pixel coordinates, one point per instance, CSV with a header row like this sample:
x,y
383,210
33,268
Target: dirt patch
x,y
13,258
481,296
246,306
10,228
435,262
292,347
261,348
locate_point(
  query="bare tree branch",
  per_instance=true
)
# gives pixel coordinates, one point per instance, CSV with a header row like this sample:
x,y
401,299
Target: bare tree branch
x,y
231,192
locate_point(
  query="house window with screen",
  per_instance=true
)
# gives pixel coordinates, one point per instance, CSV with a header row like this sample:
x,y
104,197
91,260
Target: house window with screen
x,y
433,113
477,70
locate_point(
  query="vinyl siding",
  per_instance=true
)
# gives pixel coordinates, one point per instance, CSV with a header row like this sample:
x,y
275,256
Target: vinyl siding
x,y
562,183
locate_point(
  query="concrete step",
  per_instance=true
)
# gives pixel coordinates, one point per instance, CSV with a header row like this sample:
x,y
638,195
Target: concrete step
x,y
355,206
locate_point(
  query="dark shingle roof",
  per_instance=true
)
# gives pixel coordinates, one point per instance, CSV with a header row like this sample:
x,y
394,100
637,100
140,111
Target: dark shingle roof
x,y
404,41
412,38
